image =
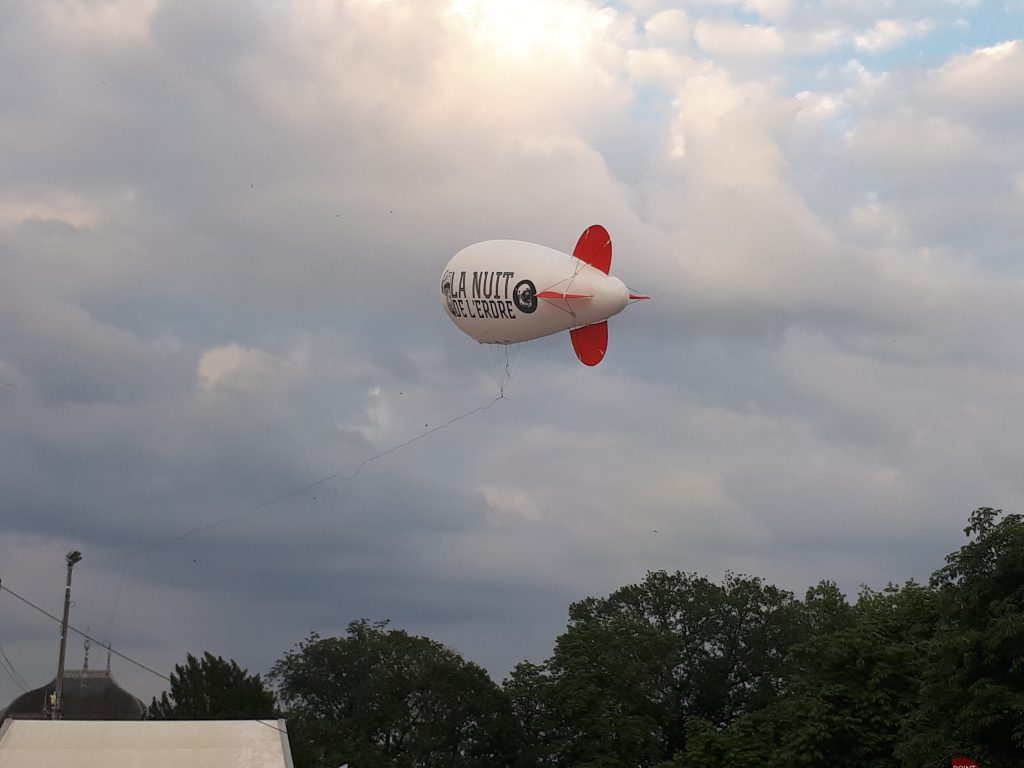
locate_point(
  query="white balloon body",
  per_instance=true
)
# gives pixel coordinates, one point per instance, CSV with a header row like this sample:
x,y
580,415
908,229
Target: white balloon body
x,y
507,291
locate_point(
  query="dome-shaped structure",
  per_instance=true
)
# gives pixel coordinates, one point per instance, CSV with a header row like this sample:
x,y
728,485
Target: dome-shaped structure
x,y
88,695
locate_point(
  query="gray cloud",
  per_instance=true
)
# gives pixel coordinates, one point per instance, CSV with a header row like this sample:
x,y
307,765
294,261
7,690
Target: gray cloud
x,y
221,231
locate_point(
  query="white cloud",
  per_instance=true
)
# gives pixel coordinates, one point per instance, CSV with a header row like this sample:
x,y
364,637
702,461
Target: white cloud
x,y
877,223
910,143
62,207
735,40
773,10
818,106
732,39
987,81
662,67
100,24
818,41
528,29
820,374
511,502
671,28
892,33
235,368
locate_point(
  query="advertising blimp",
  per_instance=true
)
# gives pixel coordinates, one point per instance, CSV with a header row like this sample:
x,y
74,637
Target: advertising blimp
x,y
508,291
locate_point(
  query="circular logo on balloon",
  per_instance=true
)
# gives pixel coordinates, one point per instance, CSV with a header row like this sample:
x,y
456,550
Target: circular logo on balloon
x,y
525,296
446,289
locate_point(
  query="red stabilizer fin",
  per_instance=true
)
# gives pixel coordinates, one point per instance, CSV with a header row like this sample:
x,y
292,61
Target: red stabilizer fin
x,y
595,248
590,342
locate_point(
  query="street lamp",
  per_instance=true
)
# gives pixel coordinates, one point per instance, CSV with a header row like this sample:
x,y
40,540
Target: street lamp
x,y
57,710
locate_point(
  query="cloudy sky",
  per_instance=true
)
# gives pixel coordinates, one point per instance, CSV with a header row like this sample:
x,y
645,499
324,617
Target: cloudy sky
x,y
222,229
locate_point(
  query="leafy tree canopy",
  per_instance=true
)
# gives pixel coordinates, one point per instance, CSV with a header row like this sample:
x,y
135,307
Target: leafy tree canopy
x,y
972,698
676,671
634,667
379,698
212,689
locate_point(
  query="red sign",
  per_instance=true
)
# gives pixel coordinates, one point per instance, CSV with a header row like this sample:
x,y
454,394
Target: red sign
x,y
964,762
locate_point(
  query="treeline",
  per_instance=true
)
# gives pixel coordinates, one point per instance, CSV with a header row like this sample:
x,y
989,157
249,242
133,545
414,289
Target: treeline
x,y
673,672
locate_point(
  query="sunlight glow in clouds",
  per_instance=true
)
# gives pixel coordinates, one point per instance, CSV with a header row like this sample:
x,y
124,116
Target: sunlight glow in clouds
x,y
527,28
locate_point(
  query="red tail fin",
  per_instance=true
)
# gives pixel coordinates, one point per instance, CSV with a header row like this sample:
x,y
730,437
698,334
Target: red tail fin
x,y
590,342
595,248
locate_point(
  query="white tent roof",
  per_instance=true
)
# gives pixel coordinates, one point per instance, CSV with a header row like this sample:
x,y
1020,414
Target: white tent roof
x,y
144,744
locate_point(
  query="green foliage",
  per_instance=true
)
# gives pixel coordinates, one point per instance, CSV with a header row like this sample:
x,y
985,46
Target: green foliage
x,y
851,682
634,667
382,698
901,677
677,671
212,689
973,692
528,689
856,683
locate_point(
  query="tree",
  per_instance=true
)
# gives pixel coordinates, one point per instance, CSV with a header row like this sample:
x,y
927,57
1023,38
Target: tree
x,y
212,689
902,677
380,698
527,688
634,667
972,699
857,682
852,682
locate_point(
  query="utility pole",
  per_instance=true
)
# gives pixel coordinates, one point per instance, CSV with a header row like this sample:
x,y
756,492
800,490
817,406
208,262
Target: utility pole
x,y
57,710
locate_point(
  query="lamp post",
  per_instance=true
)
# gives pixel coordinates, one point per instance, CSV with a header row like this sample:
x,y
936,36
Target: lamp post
x,y
57,710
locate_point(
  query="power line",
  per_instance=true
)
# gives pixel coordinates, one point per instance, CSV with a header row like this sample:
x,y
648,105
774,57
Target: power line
x,y
129,555
216,523
9,668
120,655
12,673
80,633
